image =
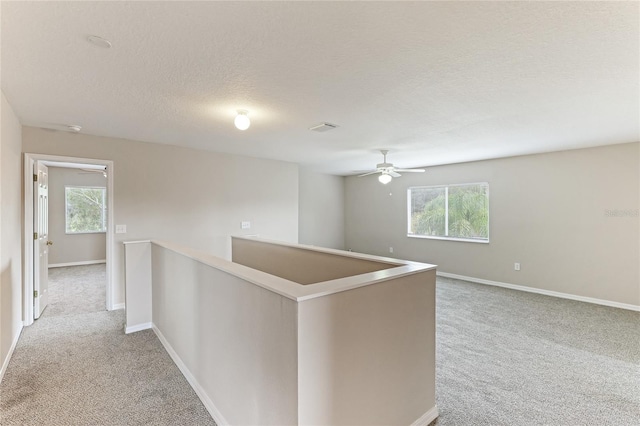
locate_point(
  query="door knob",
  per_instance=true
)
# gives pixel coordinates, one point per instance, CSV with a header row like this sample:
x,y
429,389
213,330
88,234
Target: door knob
x,y
49,243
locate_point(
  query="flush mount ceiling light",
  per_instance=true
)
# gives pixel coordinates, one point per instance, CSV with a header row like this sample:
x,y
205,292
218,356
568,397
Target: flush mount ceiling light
x,y
384,178
99,41
74,128
242,121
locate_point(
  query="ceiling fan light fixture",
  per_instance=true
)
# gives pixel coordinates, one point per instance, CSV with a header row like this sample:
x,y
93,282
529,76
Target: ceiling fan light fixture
x,y
385,178
387,170
242,121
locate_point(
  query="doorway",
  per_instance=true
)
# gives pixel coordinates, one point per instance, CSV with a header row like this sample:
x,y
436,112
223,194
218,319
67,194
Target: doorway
x,y
36,274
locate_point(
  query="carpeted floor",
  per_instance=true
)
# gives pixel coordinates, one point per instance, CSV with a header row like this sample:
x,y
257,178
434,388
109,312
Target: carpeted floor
x,y
76,290
506,357
79,368
503,358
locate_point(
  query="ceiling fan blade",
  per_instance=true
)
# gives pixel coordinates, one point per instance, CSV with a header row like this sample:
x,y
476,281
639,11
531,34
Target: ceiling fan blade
x,y
389,169
370,173
103,172
410,170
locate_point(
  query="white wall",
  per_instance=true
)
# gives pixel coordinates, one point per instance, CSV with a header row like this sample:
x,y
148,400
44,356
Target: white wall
x,y
70,248
10,232
321,210
195,198
548,212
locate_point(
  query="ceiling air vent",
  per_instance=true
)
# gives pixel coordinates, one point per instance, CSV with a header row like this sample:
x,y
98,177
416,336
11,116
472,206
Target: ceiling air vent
x,y
323,127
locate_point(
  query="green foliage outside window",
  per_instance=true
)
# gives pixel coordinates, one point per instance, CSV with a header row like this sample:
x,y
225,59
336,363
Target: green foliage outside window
x,y
457,211
86,210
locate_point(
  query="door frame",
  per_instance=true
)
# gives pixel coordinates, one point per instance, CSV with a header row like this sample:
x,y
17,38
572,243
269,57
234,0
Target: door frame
x,y
29,161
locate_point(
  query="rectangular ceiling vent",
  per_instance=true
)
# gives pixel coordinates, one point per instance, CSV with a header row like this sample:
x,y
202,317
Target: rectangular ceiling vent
x,y
323,127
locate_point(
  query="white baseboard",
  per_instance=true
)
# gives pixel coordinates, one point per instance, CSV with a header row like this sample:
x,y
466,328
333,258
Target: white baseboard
x,y
117,306
84,262
5,362
139,327
542,291
209,405
427,417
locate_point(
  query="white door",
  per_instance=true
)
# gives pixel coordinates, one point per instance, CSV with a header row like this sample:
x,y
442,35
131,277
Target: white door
x,y
41,237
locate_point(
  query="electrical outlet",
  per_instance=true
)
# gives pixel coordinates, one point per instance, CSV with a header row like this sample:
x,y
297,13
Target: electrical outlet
x,y
516,266
390,249
245,225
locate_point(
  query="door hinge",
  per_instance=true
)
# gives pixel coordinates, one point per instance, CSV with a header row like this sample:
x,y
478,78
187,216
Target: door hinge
x,y
35,177
35,235
35,293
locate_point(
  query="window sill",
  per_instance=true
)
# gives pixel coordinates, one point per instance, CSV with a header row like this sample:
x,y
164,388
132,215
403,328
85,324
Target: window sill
x,y
464,240
87,232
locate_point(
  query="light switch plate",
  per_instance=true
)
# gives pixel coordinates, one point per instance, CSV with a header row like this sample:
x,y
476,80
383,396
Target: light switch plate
x,y
245,225
121,229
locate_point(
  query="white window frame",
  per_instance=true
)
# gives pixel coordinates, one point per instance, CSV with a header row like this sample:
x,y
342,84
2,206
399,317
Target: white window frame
x,y
446,213
104,209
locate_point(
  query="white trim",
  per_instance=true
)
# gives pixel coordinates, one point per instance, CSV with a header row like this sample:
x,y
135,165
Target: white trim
x,y
27,309
84,262
542,291
117,306
5,363
206,401
293,290
137,242
85,233
446,215
427,417
29,160
464,240
66,209
139,327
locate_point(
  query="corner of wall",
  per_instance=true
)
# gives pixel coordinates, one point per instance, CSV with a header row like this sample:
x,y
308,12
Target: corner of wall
x,y
321,214
10,231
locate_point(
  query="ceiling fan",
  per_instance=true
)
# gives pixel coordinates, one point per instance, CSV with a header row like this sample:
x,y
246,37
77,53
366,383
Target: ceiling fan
x,y
388,171
102,171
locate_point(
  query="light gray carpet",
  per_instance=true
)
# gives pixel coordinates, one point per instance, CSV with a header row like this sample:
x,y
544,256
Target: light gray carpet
x,y
81,369
76,290
503,358
506,357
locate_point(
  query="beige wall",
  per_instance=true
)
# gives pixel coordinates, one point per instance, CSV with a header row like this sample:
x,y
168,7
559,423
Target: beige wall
x,y
300,265
10,231
321,210
70,248
138,290
195,198
367,356
353,356
238,340
548,212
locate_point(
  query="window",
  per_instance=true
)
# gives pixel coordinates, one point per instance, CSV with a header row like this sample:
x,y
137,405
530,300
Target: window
x,y
86,209
457,212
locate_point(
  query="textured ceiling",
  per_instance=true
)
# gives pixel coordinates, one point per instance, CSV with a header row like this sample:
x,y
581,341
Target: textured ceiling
x,y
433,82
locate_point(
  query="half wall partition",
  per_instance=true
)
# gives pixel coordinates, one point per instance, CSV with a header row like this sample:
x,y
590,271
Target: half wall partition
x,y
289,334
